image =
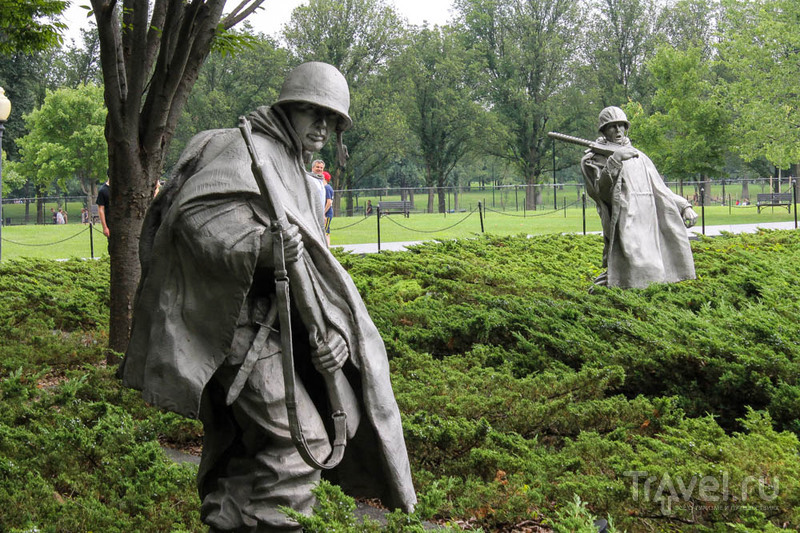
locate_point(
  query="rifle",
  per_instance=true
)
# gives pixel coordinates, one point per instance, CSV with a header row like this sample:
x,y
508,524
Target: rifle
x,y
340,393
606,149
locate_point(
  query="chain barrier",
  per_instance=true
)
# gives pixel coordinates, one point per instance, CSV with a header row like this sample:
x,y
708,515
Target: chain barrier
x,y
339,228
538,213
430,231
49,243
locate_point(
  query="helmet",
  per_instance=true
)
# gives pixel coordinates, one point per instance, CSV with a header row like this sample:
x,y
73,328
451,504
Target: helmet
x,y
609,115
319,84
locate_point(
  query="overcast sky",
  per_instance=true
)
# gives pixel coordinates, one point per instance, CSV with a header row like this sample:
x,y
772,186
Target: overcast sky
x,y
276,13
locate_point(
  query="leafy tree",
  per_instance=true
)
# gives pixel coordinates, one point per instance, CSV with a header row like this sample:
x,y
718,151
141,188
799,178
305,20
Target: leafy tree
x,y
12,179
620,37
66,140
760,49
357,37
527,48
689,132
442,112
690,24
28,26
150,56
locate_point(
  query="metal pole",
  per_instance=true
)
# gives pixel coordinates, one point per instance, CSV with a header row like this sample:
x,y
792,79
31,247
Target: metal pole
x,y
555,199
91,237
703,207
379,228
794,200
583,201
516,200
480,214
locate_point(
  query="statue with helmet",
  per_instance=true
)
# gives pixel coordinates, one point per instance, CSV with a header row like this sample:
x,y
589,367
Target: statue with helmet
x,y
245,320
644,222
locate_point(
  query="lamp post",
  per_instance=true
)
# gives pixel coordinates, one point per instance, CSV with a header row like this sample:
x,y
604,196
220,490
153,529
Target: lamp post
x,y
5,110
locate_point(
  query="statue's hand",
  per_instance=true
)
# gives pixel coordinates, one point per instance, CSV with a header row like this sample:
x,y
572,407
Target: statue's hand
x,y
331,354
292,244
625,153
689,217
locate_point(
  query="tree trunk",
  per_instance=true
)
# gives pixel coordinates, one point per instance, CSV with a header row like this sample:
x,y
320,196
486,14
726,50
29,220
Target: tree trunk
x,y
533,197
442,199
130,197
349,197
430,199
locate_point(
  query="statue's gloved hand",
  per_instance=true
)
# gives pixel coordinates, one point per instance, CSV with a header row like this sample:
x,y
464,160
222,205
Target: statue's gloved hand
x,y
625,153
689,217
331,354
292,244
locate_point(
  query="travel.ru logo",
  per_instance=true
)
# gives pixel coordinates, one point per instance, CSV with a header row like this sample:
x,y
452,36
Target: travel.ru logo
x,y
711,491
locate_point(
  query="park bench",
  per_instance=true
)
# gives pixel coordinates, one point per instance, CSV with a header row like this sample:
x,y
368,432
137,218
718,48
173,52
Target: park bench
x,y
774,199
401,207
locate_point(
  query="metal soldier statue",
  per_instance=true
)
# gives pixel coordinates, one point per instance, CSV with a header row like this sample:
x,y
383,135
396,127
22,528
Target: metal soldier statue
x,y
218,335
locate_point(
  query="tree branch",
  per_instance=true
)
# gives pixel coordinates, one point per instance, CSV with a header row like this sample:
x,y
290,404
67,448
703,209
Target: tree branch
x,y
234,17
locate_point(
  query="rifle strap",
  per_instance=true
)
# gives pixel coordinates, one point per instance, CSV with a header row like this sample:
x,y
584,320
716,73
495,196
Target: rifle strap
x,y
287,355
264,329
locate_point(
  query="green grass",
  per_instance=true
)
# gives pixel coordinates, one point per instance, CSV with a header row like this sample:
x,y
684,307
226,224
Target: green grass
x,y
423,226
53,241
72,240
16,212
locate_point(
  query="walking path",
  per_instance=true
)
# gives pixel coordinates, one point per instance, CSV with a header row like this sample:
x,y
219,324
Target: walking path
x,y
711,231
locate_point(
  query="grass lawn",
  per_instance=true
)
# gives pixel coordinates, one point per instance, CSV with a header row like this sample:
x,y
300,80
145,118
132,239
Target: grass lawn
x,y
52,241
72,239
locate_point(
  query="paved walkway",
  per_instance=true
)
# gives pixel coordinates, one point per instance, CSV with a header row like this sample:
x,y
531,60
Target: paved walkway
x,y
711,231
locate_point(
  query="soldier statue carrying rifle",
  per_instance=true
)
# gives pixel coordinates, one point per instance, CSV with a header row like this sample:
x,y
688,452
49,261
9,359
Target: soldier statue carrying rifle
x,y
244,319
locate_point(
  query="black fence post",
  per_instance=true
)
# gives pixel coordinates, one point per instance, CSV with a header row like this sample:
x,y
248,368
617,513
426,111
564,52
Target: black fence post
x,y
379,228
703,207
480,214
794,200
583,208
91,237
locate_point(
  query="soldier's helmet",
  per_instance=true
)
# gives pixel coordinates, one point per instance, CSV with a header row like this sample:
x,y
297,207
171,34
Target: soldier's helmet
x,y
319,84
609,115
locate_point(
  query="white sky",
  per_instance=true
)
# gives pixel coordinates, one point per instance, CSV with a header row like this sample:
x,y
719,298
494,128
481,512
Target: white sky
x,y
276,13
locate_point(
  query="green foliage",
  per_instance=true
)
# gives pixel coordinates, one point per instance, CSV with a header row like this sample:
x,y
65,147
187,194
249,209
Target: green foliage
x,y
49,155
28,26
526,401
526,48
442,111
688,134
521,389
759,50
334,512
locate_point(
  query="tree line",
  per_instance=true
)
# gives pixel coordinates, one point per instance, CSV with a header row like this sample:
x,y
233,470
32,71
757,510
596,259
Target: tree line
x,y
707,84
